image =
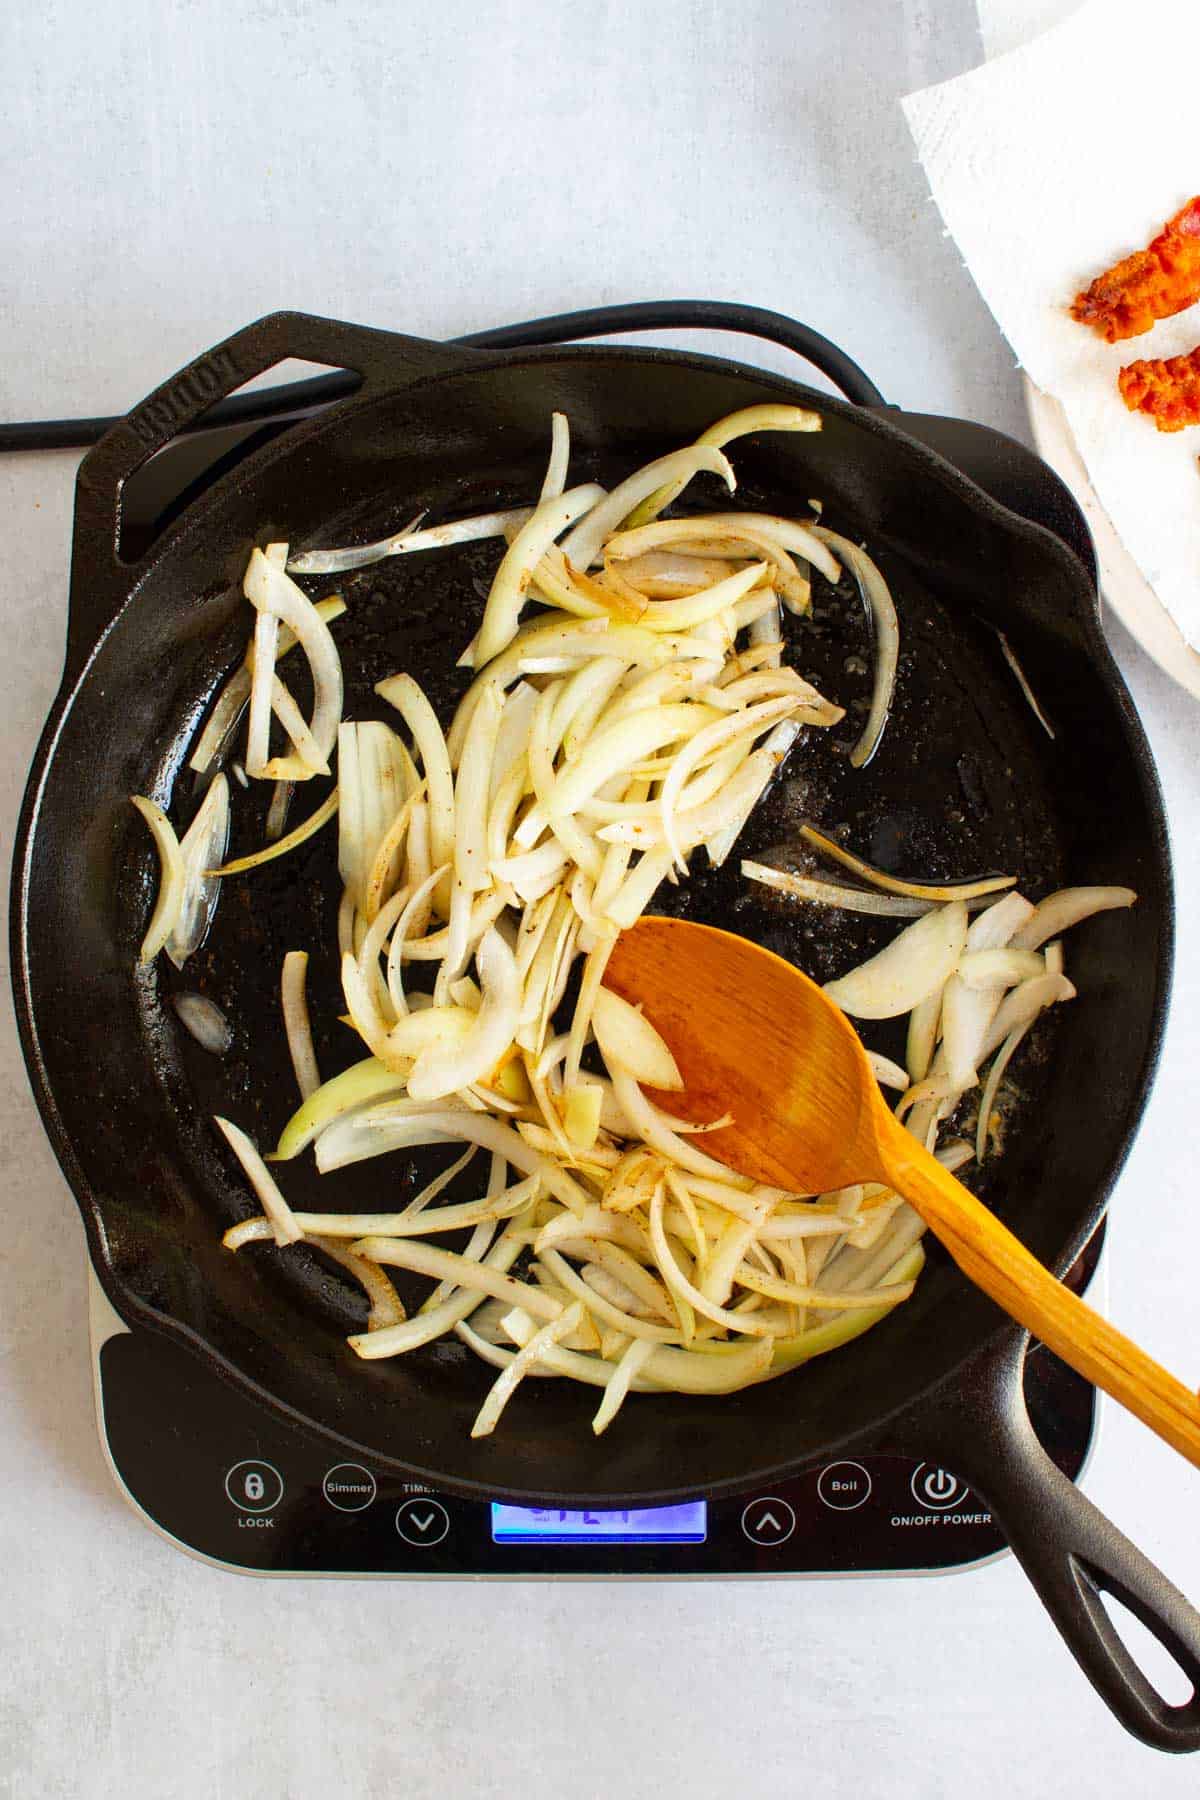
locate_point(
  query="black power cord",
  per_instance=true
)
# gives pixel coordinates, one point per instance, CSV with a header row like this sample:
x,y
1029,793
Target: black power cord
x,y
602,321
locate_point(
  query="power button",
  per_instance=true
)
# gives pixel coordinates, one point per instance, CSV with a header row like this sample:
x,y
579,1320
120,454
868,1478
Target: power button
x,y
936,1489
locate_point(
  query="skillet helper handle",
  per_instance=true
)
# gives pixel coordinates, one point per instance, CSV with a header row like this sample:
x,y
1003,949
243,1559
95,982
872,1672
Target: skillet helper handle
x,y
690,315
101,581
997,1262
979,1424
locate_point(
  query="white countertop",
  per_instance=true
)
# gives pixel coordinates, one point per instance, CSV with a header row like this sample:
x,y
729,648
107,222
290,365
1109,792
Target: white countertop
x,y
172,172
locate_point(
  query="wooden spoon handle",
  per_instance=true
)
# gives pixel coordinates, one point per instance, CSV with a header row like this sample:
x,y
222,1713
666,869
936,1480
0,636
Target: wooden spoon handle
x,y
996,1261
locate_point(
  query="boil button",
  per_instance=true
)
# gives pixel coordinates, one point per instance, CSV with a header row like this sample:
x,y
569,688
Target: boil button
x,y
843,1486
768,1521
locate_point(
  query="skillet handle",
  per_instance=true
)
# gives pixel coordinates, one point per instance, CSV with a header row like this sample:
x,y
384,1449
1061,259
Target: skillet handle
x,y
101,580
1071,1553
689,315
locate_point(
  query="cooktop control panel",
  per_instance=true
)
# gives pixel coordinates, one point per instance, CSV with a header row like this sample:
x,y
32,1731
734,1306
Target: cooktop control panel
x,y
223,1477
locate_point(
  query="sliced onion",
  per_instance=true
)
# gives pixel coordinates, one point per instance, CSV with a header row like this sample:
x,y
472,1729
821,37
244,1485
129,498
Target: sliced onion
x,y
639,888
555,479
922,1035
402,692
270,590
172,878
613,751
582,547
490,1134
427,1259
995,927
708,603
914,965
381,873
222,722
511,585
593,1296
964,1020
533,872
629,1364
684,1290
678,1371
231,702
827,893
472,789
783,534
767,760
628,1041
820,1297
485,912
886,1072
266,633
736,425
448,1312
652,1128
594,687
203,844
525,1361
280,1214
205,1021
1070,906
439,1072
386,1309
277,812
396,1225
998,969
513,733
350,812
405,542
991,1087
1023,1004
712,737
359,1086
1010,657
878,600
671,575
703,822
559,636
306,759
293,840
296,1022
892,884
747,539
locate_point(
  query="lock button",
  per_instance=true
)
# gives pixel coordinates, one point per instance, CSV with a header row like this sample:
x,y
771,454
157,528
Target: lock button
x,y
254,1486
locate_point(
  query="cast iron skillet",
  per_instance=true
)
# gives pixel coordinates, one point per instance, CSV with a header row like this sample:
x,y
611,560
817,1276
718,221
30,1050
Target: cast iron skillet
x,y
965,780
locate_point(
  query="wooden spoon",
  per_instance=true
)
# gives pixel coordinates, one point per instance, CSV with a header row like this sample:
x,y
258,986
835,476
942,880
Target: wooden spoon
x,y
756,1038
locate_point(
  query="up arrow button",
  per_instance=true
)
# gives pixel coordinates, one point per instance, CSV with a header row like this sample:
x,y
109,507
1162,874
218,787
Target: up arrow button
x,y
768,1521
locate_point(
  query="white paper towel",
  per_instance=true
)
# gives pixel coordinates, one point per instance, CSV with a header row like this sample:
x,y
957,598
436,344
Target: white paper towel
x,y
1049,164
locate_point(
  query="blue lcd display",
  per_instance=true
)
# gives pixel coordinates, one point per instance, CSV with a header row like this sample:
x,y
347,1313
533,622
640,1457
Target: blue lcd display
x,y
687,1524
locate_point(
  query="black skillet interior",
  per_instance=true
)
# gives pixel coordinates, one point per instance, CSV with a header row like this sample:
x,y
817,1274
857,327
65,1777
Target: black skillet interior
x,y
965,781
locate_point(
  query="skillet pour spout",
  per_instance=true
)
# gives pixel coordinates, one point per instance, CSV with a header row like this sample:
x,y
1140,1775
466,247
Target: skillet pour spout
x,y
456,428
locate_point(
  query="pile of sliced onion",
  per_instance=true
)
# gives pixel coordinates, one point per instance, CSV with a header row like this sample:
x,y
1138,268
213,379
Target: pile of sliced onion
x,y
628,707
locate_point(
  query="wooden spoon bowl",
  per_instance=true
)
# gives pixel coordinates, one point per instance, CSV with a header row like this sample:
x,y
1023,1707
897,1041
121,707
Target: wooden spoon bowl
x,y
754,1037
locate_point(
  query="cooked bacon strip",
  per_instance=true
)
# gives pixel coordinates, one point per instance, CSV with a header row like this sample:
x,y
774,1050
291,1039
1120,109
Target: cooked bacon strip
x,y
1152,284
1167,389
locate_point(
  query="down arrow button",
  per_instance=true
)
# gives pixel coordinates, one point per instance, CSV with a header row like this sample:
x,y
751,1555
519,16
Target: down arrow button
x,y
422,1522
